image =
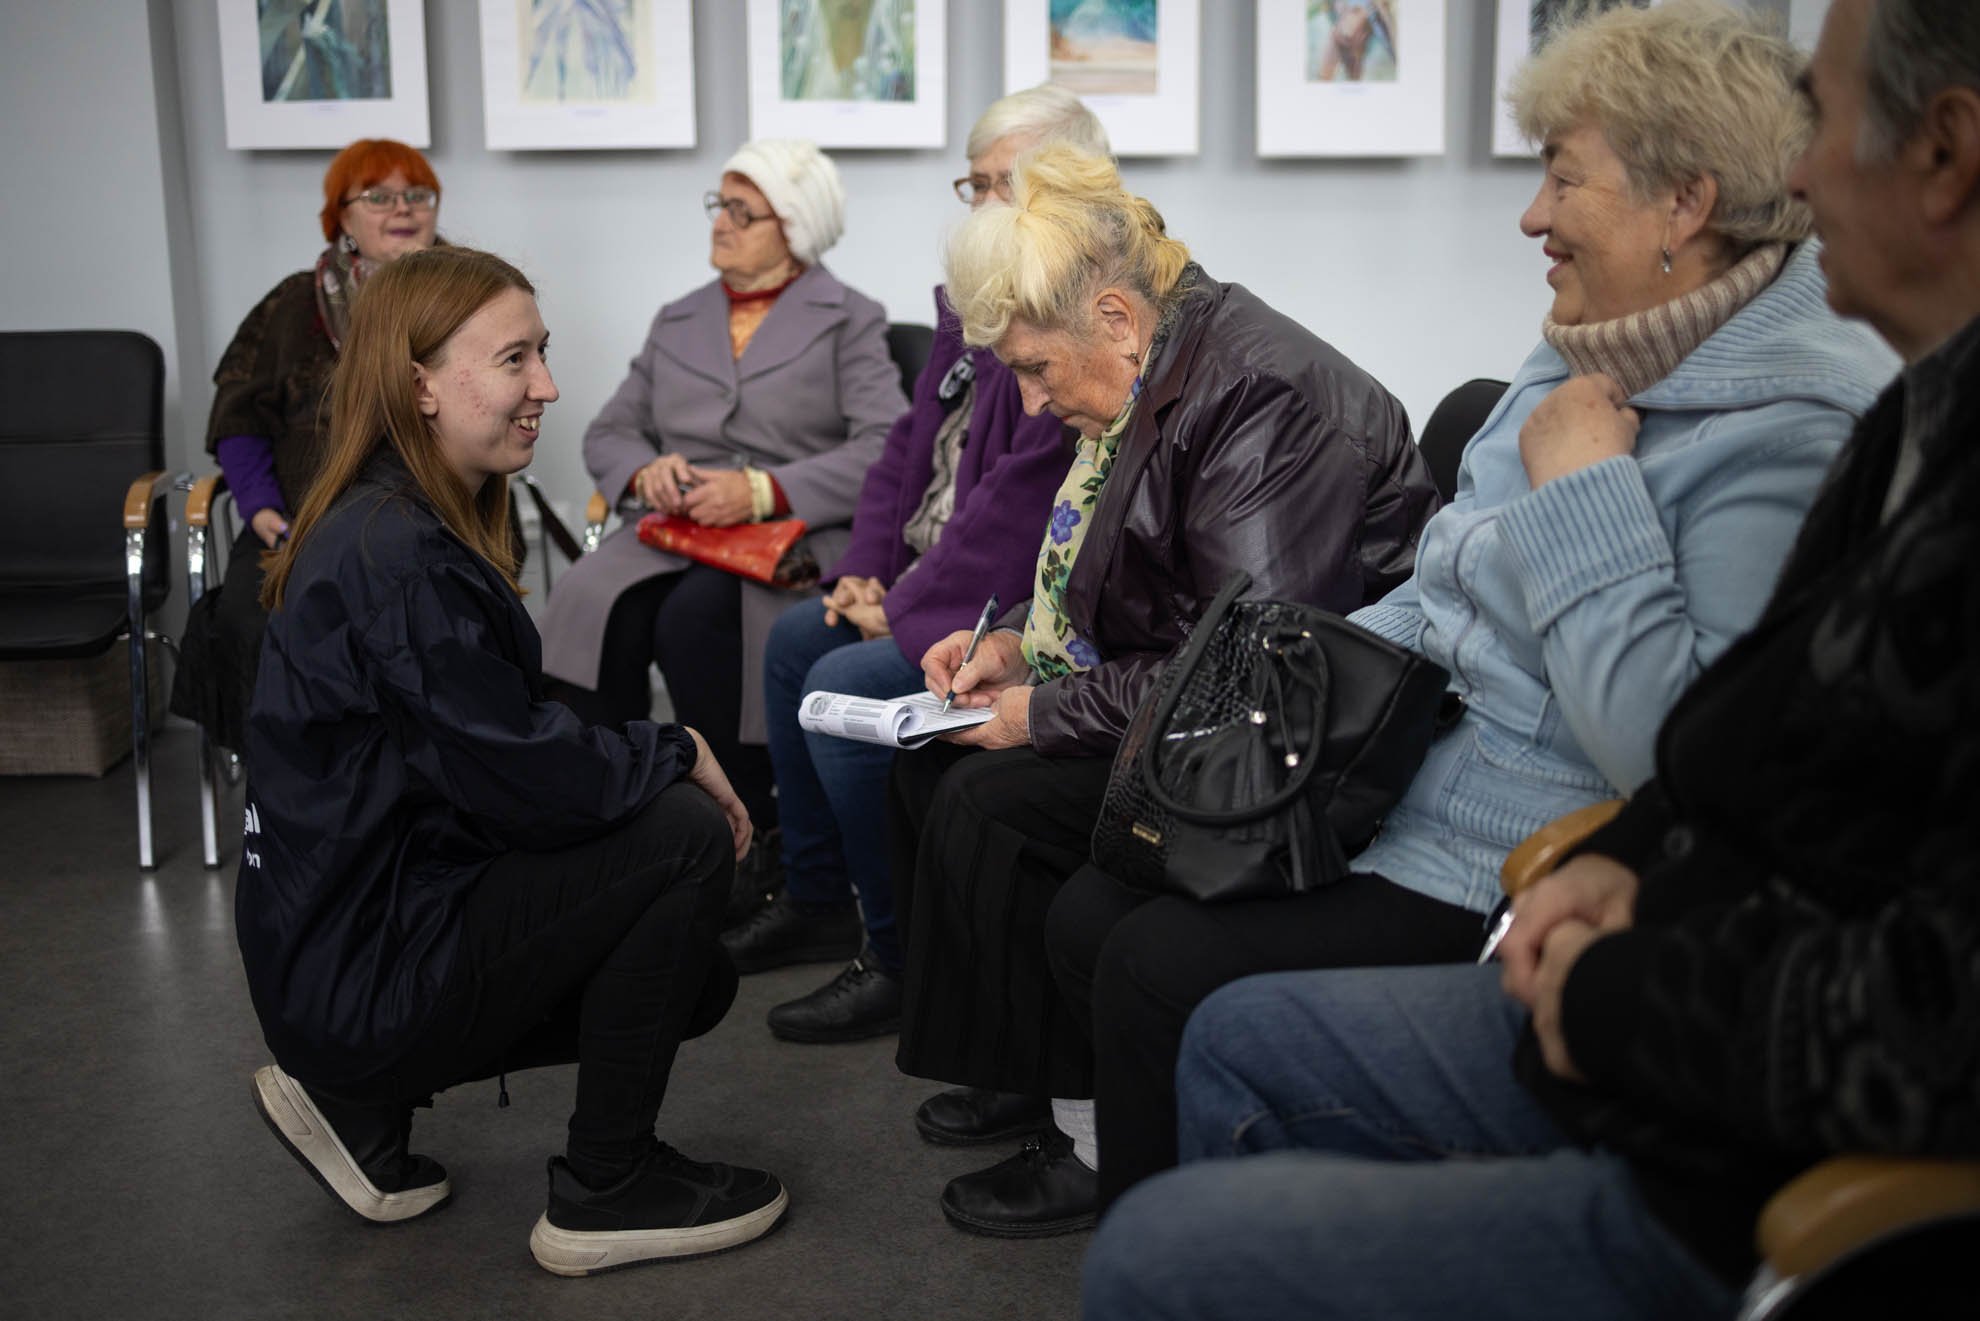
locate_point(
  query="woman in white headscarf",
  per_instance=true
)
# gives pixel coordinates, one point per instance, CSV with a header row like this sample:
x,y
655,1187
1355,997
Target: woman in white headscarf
x,y
765,393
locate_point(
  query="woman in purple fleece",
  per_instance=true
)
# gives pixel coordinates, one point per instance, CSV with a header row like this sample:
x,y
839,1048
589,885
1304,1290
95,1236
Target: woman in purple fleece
x,y
269,423
951,513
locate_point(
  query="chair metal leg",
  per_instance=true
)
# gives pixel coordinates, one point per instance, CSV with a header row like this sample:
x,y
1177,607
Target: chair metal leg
x,y
209,772
140,692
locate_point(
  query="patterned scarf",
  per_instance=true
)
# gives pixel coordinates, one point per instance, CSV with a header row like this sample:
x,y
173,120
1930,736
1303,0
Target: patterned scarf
x,y
339,272
1051,647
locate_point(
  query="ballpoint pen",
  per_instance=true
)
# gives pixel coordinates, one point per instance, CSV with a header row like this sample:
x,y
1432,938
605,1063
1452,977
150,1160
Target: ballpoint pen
x,y
969,652
1501,923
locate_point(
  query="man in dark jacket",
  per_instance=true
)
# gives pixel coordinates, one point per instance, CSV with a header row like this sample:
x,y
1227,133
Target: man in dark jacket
x,y
1772,956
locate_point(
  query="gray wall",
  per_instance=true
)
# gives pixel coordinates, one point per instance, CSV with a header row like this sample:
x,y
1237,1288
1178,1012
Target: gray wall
x,y
135,213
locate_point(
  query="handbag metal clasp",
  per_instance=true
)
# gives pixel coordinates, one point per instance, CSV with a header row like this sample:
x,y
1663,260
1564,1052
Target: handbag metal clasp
x,y
1147,834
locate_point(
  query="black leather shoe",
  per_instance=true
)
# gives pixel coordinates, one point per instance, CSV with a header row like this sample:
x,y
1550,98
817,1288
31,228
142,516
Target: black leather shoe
x,y
969,1116
780,932
1041,1191
863,1001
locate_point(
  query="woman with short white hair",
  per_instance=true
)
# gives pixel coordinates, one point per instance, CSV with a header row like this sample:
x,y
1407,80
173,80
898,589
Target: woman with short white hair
x,y
949,514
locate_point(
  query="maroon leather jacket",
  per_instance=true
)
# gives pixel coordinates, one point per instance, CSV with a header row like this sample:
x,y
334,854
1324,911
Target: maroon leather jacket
x,y
1255,446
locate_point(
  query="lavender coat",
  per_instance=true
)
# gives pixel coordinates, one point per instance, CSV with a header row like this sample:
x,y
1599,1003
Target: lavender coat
x,y
809,401
1008,472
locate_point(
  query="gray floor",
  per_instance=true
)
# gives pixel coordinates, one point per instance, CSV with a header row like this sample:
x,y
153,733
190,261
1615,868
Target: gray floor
x,y
137,1179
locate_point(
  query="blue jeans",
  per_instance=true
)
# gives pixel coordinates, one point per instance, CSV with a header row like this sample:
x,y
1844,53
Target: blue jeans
x,y
832,792
1389,1165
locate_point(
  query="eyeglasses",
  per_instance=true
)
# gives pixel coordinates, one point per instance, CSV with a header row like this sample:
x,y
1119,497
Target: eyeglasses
x,y
384,199
715,204
978,189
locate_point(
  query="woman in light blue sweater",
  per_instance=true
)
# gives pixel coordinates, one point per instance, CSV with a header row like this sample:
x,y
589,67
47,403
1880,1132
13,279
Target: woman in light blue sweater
x,y
1619,519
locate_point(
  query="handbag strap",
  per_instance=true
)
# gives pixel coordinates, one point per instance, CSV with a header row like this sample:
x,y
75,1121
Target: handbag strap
x,y
1186,665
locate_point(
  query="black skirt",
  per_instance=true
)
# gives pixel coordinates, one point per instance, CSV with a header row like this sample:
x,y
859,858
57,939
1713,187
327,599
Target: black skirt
x,y
980,844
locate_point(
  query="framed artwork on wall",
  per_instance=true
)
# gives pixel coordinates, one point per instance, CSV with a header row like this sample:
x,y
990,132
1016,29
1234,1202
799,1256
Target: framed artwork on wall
x,y
849,73
1350,77
1135,62
587,74
1522,30
320,73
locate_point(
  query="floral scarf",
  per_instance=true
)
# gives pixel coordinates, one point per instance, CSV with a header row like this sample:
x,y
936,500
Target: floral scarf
x,y
1051,647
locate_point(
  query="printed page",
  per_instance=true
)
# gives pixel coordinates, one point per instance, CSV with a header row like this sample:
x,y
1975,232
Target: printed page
x,y
899,722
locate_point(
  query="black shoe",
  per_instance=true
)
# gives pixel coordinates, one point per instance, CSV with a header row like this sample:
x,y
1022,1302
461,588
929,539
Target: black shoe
x,y
357,1152
1041,1191
669,1206
759,877
780,932
863,1001
969,1116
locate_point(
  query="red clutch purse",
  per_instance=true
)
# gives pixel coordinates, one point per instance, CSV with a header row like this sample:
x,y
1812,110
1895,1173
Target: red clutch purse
x,y
761,552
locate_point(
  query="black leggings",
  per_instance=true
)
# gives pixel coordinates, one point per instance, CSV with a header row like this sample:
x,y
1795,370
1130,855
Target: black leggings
x,y
690,623
603,953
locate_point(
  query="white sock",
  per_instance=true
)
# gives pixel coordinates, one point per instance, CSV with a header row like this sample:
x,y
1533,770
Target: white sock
x,y
1075,1120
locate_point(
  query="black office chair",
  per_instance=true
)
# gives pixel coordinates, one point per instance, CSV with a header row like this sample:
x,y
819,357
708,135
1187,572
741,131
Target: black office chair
x,y
84,441
1457,419
909,345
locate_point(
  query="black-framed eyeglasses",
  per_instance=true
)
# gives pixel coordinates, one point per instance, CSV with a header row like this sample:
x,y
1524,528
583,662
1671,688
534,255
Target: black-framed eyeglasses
x,y
739,213
384,199
976,189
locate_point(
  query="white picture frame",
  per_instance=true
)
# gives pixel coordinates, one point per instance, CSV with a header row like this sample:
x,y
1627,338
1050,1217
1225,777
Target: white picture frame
x,y
1512,43
587,79
886,86
328,89
1159,121
1391,105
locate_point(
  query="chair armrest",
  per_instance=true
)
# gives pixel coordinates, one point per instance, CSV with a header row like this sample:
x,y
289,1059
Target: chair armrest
x,y
1542,851
1848,1202
553,526
199,500
137,500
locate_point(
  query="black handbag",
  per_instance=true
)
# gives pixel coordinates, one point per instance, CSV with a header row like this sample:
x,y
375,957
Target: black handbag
x,y
1269,750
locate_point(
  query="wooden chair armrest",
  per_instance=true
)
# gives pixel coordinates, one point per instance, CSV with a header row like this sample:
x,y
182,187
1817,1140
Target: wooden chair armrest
x,y
597,509
1542,851
199,500
1847,1202
137,500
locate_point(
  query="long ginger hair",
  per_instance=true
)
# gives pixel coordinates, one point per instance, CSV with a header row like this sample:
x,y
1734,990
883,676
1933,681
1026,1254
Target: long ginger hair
x,y
406,313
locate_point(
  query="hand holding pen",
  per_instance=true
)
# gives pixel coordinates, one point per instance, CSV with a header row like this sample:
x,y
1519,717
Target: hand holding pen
x,y
969,652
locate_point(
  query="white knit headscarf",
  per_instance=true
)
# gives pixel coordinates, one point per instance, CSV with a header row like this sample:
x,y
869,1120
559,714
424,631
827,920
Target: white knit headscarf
x,y
802,186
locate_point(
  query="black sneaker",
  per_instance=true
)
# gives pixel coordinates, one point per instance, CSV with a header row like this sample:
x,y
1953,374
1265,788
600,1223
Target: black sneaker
x,y
357,1152
863,1001
780,932
669,1206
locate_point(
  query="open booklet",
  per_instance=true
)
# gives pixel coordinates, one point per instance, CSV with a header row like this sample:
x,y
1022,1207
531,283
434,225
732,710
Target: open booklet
x,y
896,722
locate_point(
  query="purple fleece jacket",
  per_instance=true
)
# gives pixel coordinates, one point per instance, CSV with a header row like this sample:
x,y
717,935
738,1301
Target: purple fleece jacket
x,y
1005,480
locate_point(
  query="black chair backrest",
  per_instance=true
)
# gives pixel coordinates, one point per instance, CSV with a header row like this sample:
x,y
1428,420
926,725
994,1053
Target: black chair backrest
x,y
1452,426
909,344
85,418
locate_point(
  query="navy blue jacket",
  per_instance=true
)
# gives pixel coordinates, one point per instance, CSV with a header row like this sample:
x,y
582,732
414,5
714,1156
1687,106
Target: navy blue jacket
x,y
398,741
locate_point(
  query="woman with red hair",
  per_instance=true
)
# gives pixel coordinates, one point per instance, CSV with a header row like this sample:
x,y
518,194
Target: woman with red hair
x,y
268,427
